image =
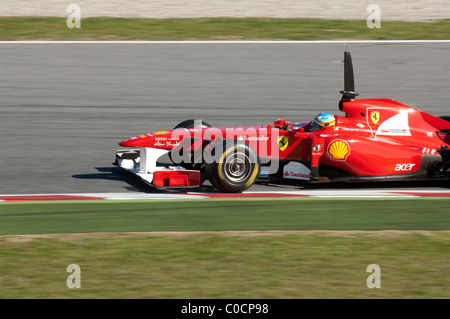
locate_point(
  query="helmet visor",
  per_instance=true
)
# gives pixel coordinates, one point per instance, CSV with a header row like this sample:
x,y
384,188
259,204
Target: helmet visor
x,y
316,126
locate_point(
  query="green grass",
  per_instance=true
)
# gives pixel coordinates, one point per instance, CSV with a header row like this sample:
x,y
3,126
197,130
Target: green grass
x,y
14,29
226,266
267,263
218,215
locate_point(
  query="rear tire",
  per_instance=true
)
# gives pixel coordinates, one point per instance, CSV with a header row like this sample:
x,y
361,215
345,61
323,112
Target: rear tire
x,y
235,168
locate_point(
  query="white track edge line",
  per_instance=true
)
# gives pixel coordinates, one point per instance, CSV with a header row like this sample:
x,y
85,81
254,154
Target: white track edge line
x,y
229,42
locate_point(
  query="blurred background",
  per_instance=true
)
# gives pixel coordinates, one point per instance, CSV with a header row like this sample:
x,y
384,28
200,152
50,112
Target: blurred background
x,y
412,10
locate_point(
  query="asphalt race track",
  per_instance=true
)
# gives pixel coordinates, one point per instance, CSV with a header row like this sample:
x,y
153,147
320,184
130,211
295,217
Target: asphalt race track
x,y
64,107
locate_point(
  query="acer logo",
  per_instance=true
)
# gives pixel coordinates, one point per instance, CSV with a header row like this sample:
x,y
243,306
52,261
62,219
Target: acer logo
x,y
404,167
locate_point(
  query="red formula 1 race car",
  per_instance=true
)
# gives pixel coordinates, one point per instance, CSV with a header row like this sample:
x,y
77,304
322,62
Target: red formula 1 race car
x,y
374,139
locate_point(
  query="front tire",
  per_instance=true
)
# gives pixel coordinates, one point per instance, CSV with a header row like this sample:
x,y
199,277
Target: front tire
x,y
194,163
235,167
191,124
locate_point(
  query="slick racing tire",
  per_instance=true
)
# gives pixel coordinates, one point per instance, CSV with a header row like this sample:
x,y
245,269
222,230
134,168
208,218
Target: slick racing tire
x,y
235,166
445,117
193,165
191,124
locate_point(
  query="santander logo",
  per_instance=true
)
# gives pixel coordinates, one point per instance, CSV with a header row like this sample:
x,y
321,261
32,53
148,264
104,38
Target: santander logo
x,y
297,175
296,170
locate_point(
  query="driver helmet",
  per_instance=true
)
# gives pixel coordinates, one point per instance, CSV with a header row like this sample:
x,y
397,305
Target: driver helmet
x,y
323,119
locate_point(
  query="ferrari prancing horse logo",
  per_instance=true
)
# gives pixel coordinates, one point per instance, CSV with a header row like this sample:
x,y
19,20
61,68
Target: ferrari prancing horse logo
x,y
375,117
283,142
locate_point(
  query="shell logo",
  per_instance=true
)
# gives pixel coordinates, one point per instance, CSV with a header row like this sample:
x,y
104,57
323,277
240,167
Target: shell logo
x,y
338,150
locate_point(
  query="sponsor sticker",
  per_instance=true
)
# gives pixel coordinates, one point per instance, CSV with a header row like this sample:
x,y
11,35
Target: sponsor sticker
x,y
317,148
253,138
375,116
427,150
296,170
404,167
283,142
397,125
166,143
338,150
394,131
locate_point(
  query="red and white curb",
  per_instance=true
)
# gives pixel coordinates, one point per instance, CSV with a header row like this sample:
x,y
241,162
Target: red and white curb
x,y
191,195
